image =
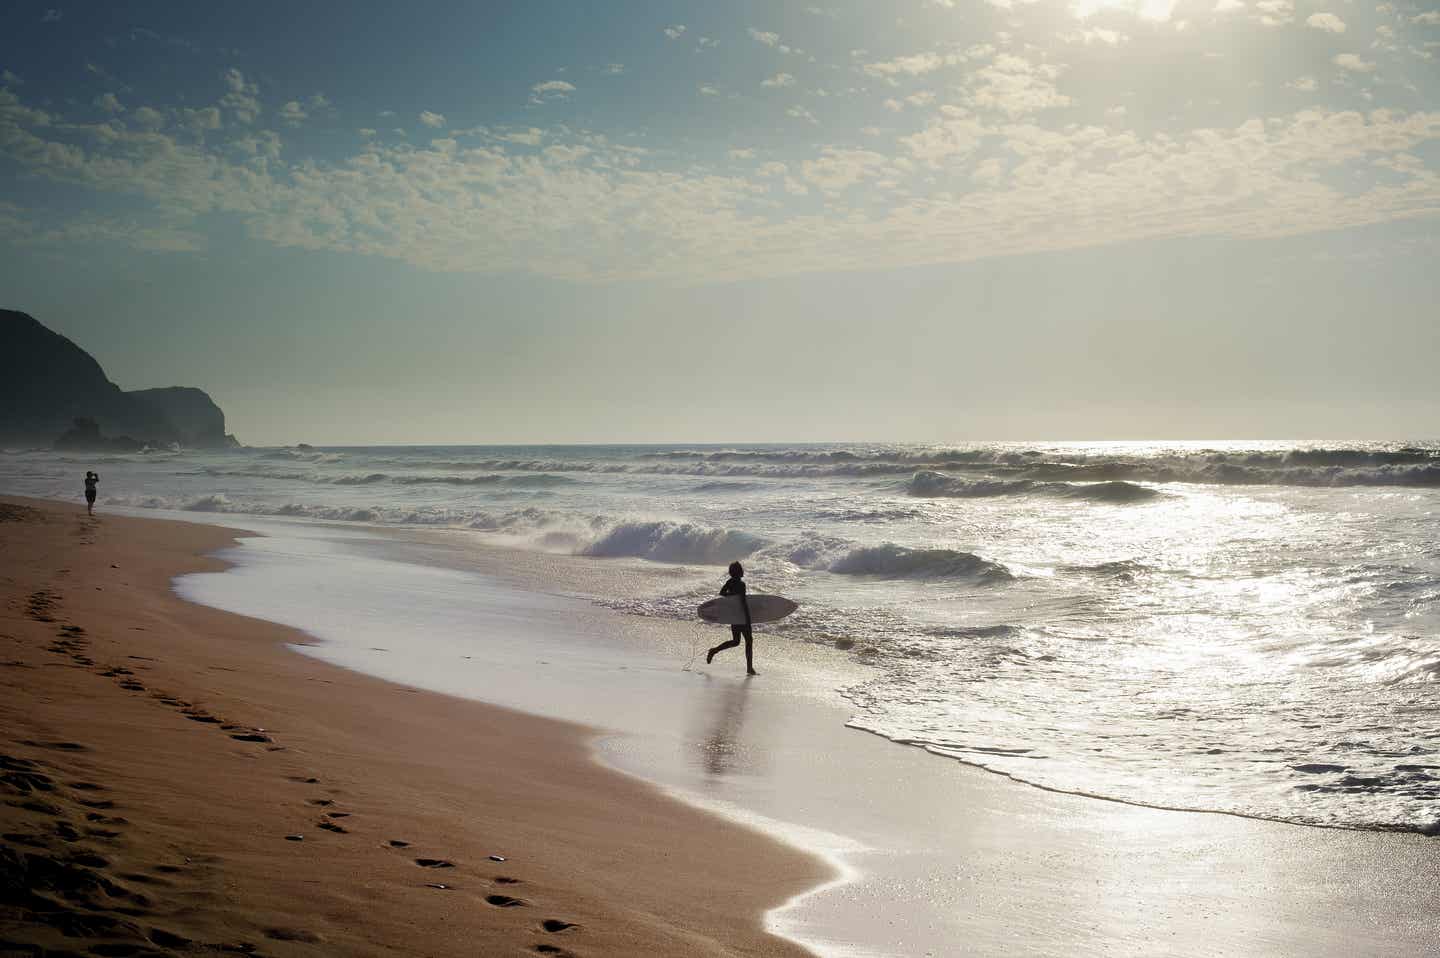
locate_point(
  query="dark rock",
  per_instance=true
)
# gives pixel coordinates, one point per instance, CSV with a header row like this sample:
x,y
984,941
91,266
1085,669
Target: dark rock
x,y
193,413
51,387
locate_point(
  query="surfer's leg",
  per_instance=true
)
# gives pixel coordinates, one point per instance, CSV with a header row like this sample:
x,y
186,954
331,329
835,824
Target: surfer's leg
x,y
749,652
734,641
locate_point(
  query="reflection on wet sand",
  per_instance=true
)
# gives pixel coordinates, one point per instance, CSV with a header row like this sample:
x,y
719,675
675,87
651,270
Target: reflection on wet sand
x,y
718,739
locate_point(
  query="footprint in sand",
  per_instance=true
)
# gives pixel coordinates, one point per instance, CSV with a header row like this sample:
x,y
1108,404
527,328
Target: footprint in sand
x,y
397,843
507,880
505,901
332,827
292,934
554,925
434,863
553,950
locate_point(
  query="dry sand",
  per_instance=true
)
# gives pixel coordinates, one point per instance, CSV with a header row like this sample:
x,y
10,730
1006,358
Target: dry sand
x,y
174,780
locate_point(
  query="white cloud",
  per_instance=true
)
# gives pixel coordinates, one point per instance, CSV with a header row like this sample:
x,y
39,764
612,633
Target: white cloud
x,y
1228,6
1014,86
836,170
109,103
705,43
1305,84
1327,22
292,114
912,65
1352,63
769,39
675,30
745,154
894,105
366,132
1429,18
708,90
435,120
779,80
148,118
969,185
1275,13
241,97
531,137
613,69
551,90
800,113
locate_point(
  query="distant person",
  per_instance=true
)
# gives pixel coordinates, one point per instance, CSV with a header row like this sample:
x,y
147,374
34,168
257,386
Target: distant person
x,y
91,479
735,585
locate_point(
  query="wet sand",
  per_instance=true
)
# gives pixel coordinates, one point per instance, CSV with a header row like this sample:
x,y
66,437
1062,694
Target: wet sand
x,y
175,780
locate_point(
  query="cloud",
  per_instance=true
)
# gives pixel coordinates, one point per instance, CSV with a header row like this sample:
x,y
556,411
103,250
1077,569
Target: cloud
x,y
1275,13
779,80
913,65
292,113
435,120
148,118
800,113
551,90
836,170
1352,63
969,185
1228,6
705,43
10,79
1014,86
1429,18
109,103
708,90
760,36
1327,22
674,31
241,97
746,154
613,69
1305,84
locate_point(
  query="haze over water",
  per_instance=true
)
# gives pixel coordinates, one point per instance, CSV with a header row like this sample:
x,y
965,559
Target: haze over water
x,y
1242,627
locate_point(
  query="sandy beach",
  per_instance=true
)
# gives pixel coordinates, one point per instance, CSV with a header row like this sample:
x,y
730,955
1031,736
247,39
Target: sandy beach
x,y
175,780
161,755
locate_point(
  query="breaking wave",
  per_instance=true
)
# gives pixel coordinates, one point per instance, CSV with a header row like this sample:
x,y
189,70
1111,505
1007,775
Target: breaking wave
x,y
937,485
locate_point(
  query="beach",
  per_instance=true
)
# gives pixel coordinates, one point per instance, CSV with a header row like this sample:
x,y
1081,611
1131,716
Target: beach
x,y
161,755
649,806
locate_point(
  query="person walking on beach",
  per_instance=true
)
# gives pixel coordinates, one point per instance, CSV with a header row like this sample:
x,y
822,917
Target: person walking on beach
x,y
735,585
91,478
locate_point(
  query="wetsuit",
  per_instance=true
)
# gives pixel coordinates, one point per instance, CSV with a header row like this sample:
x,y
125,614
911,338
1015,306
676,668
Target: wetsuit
x,y
736,586
90,491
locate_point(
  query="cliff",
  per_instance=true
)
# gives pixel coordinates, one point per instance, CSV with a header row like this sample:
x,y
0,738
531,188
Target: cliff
x,y
47,384
192,412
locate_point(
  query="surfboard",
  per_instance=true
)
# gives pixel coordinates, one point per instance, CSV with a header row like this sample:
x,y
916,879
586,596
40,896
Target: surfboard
x,y
726,609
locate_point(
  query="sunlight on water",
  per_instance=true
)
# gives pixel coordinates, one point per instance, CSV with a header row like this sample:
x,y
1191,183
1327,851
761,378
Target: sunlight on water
x,y
1246,627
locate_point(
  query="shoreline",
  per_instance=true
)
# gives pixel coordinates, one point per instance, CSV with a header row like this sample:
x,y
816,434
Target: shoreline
x,y
944,856
211,742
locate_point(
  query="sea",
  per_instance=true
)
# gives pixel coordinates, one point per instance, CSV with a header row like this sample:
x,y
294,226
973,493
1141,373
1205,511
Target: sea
x,y
1240,627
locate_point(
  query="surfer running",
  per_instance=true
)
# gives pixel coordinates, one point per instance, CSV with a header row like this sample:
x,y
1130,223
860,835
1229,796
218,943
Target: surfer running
x,y
735,585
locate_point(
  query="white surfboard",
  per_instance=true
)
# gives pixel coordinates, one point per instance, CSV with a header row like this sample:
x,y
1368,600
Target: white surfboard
x,y
726,609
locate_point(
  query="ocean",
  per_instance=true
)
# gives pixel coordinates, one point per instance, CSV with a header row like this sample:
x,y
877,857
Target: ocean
x,y
1251,628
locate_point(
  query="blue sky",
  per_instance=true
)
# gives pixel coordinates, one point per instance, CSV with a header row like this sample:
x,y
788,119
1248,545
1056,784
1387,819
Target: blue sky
x,y
926,219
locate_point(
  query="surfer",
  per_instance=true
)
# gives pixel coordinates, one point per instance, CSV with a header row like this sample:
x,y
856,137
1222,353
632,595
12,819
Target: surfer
x,y
91,478
735,585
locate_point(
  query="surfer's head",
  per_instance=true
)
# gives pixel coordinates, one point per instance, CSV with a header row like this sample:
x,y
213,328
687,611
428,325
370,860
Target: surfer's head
x,y
737,571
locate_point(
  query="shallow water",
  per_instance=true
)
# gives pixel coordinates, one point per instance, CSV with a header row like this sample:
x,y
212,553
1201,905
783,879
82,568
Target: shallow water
x,y
1251,627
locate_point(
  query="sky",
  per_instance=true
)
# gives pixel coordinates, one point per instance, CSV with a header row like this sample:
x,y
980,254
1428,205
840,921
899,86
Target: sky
x,y
927,220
